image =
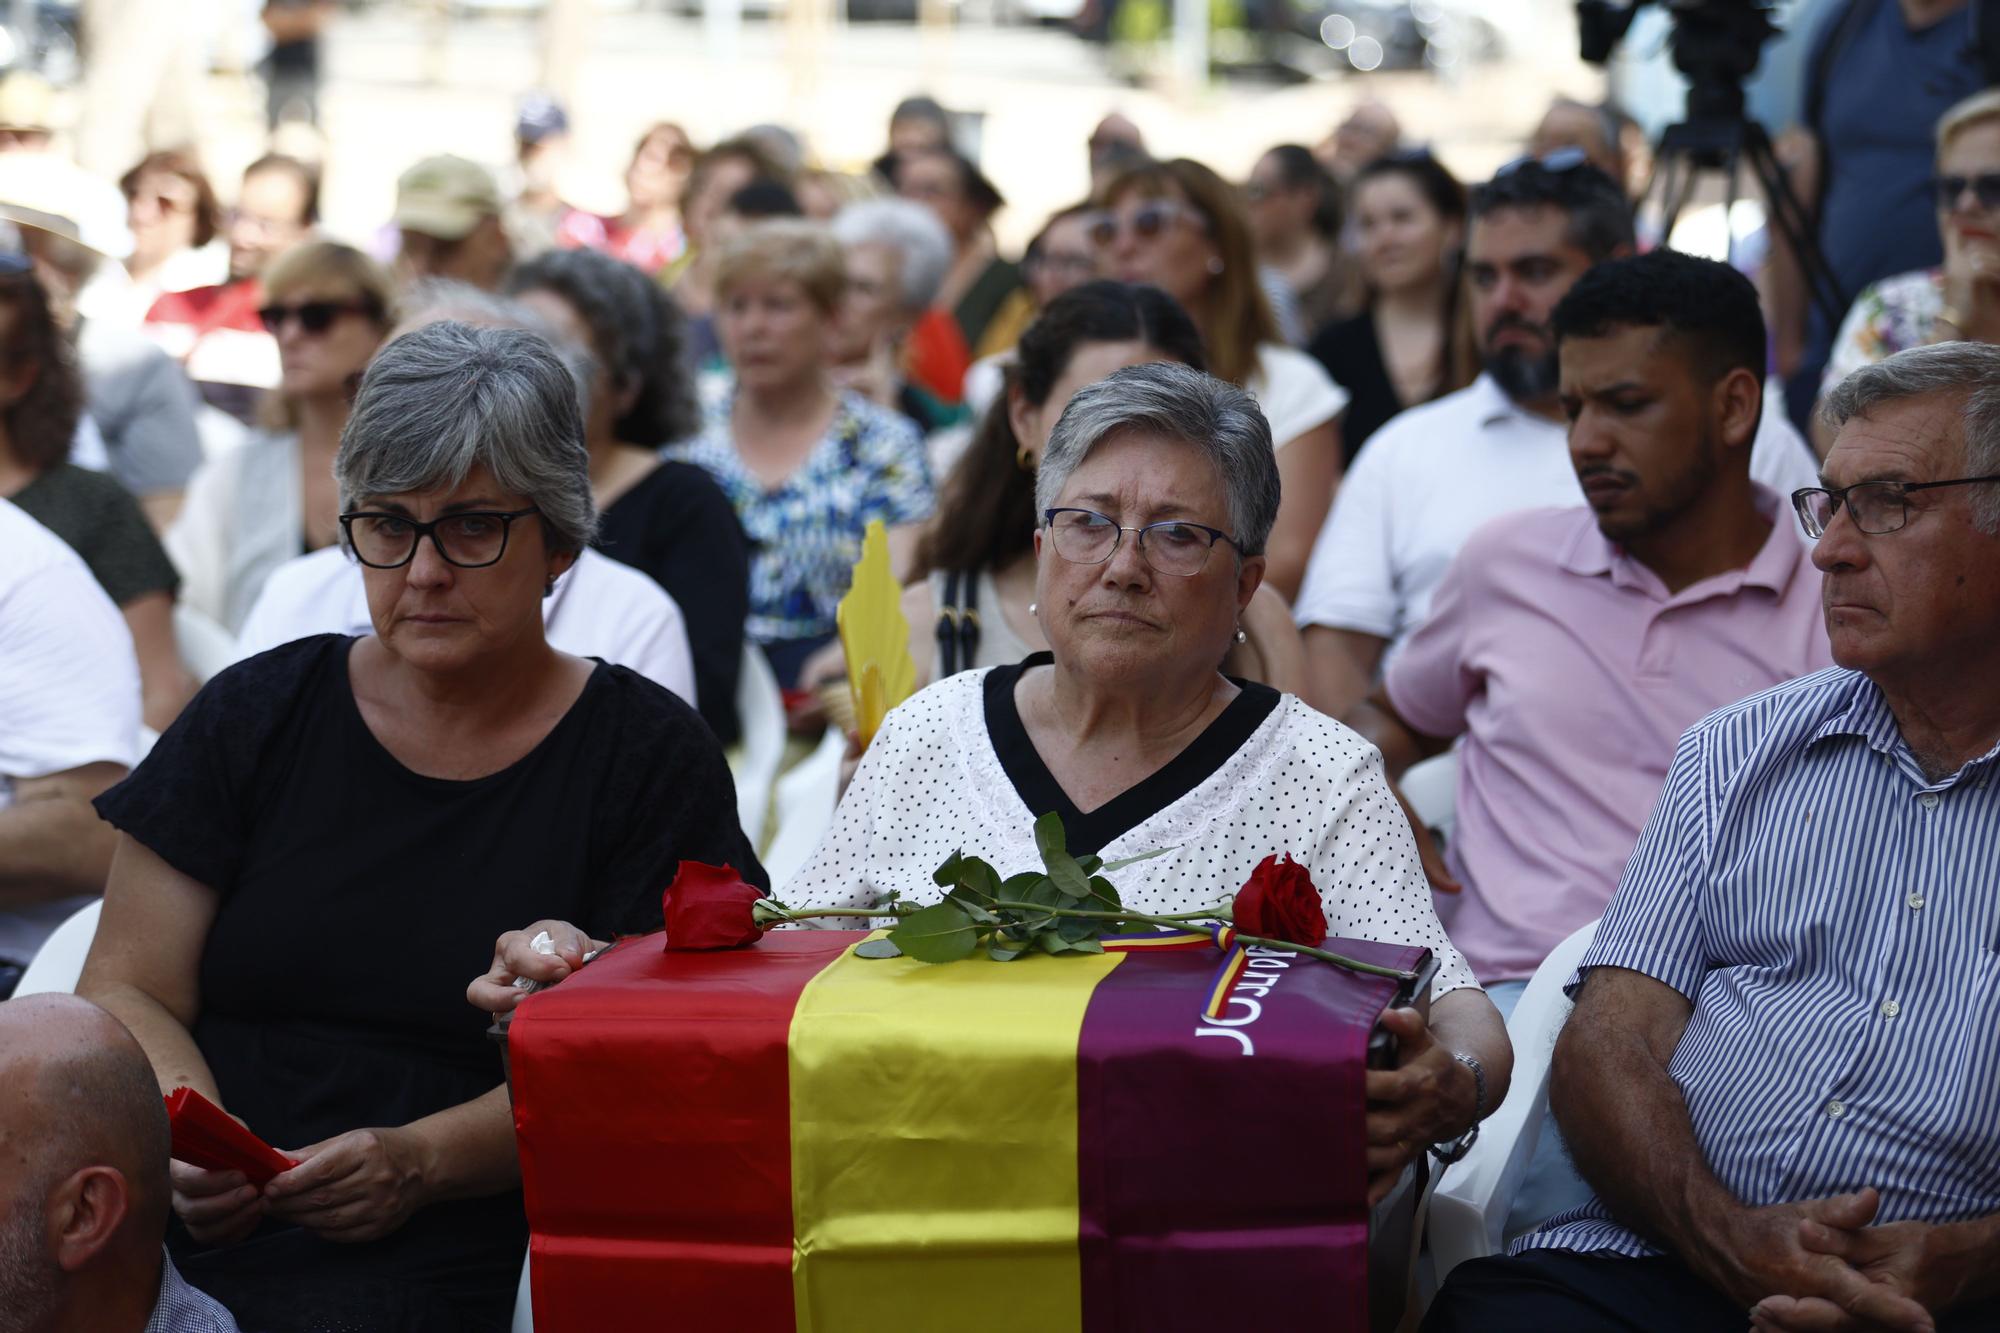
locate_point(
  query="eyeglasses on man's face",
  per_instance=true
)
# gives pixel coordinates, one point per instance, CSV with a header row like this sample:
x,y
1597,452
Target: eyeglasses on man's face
x,y
1949,190
1875,507
471,540
1173,546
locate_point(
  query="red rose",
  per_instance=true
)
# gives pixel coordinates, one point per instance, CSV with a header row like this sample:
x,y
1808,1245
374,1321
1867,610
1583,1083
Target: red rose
x,y
708,907
1280,903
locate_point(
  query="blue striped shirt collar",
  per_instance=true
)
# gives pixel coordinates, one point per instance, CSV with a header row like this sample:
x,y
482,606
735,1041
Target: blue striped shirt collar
x,y
1868,716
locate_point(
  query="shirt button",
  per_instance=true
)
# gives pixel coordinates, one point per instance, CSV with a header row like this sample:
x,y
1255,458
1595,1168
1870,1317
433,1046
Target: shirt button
x,y
1835,1110
1916,902
1890,1008
1928,800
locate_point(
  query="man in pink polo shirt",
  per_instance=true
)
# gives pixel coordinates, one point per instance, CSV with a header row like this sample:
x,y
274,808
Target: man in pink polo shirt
x,y
1570,648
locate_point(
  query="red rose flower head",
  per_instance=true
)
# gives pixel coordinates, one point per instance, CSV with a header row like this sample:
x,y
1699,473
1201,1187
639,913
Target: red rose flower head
x,y
709,907
1280,903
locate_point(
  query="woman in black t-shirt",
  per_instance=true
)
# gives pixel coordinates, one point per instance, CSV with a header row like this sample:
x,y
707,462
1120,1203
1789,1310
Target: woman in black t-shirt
x,y
668,519
1407,346
312,858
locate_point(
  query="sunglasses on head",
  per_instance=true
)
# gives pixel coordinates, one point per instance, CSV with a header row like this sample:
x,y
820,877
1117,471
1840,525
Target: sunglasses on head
x,y
314,317
1948,190
1147,221
1557,163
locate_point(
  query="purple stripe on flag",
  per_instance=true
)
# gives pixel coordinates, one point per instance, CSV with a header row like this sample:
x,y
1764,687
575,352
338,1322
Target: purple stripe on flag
x,y
1221,1162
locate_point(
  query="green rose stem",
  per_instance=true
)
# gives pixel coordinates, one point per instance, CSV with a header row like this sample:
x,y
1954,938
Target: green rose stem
x,y
1178,919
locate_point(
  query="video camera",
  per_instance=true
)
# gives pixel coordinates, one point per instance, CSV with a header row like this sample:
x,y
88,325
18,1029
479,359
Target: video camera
x,y
1715,43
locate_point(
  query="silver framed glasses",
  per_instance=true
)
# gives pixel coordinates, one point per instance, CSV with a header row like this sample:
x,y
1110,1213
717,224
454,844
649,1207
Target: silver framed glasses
x,y
1875,506
1173,546
471,540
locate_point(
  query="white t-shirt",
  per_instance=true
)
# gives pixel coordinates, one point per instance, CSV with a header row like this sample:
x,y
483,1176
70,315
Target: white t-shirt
x,y
1295,392
1438,472
69,685
600,608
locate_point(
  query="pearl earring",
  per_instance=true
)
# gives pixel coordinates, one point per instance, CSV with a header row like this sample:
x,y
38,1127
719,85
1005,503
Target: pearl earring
x,y
1241,637
1034,607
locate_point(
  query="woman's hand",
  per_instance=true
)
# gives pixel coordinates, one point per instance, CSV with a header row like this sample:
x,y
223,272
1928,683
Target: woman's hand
x,y
357,1186
514,956
217,1207
1427,1098
1972,292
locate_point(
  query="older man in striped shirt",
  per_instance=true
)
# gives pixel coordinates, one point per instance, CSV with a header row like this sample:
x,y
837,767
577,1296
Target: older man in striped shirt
x,y
1782,1078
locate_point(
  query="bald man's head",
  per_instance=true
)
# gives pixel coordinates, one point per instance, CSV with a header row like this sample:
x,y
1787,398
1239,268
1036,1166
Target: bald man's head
x,y
76,1091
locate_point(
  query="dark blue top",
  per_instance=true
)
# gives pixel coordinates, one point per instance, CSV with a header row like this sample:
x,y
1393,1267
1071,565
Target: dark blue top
x,y
1881,94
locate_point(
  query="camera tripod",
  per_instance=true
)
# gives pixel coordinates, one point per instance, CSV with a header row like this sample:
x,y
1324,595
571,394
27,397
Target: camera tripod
x,y
1725,144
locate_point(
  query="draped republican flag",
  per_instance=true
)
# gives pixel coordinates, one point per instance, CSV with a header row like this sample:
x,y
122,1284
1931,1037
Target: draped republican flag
x,y
786,1137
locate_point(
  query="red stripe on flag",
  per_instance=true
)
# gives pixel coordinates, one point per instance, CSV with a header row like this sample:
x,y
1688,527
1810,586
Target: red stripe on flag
x,y
695,1231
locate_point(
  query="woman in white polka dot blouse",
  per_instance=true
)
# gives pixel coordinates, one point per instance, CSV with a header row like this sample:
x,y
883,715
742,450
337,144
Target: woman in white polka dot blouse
x,y
1156,492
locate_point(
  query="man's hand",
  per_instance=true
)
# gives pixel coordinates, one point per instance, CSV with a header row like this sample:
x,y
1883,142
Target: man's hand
x,y
217,1207
1758,1258
354,1187
1913,1268
1427,1098
514,956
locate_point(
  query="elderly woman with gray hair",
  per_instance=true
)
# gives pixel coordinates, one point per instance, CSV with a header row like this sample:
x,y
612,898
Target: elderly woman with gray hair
x,y
448,774
1127,729
897,256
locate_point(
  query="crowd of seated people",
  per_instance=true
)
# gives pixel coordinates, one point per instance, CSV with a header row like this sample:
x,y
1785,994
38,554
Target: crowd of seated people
x,y
1216,514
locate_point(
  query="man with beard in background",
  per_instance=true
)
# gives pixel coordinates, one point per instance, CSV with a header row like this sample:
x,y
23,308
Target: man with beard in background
x,y
1570,648
1424,482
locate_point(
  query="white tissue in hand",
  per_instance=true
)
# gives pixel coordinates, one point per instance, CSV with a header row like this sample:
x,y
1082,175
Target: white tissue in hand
x,y
540,944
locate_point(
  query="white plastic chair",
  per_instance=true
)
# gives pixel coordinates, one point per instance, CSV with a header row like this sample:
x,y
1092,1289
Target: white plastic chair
x,y
1468,1212
754,759
1431,788
205,647
524,1309
59,962
806,799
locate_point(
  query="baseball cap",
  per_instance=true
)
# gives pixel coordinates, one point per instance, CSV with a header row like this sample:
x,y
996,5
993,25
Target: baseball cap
x,y
27,101
540,116
446,197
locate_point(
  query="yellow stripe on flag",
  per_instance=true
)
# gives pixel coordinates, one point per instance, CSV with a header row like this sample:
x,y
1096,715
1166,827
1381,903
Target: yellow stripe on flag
x,y
934,1131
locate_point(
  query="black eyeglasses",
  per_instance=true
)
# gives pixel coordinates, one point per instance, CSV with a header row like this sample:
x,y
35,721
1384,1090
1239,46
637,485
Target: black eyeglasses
x,y
470,540
1948,190
1176,547
1557,162
1875,506
315,317
1147,221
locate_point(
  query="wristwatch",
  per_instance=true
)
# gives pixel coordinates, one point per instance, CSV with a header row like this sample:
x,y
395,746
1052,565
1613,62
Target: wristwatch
x,y
1447,1153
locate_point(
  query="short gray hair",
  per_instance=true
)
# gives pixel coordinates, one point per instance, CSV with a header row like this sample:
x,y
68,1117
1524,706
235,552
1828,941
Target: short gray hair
x,y
1957,368
435,300
912,231
443,399
1181,403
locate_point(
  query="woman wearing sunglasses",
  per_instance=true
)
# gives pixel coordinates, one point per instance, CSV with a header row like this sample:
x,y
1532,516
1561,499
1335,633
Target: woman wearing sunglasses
x,y
1181,227
400,796
1960,300
252,509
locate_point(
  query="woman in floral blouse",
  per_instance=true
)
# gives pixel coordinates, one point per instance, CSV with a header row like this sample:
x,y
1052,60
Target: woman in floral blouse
x,y
1960,300
806,464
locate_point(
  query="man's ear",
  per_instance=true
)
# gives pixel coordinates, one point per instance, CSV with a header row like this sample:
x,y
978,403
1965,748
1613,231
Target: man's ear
x,y
85,1213
1738,403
